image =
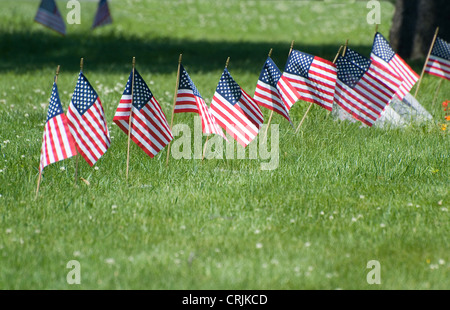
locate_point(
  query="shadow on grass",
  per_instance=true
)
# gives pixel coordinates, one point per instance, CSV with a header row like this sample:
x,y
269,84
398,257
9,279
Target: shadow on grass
x,y
22,52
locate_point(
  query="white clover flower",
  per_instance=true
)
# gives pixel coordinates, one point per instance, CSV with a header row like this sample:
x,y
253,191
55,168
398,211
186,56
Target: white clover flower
x,y
259,245
110,261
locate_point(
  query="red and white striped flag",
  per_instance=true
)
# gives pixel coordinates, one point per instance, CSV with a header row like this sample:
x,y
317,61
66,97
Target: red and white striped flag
x,y
49,16
87,121
439,62
149,127
103,16
383,55
274,91
313,77
235,110
361,89
189,100
57,142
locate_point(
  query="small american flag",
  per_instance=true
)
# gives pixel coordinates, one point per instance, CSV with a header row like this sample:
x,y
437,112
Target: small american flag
x,y
313,77
274,91
190,100
57,142
49,16
439,62
235,110
360,89
149,127
383,55
87,121
103,16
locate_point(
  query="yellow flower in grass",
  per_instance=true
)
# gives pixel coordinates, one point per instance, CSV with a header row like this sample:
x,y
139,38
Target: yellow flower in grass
x,y
444,127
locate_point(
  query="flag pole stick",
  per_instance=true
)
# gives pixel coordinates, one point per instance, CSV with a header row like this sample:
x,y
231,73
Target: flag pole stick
x,y
271,113
304,116
129,120
78,155
204,148
426,61
40,171
174,103
337,55
437,92
345,48
311,104
207,138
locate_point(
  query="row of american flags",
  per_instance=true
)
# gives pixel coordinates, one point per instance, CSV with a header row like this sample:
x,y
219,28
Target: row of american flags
x,y
361,86
48,15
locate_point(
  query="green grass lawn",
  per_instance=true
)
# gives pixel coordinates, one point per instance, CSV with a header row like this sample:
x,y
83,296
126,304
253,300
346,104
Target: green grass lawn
x,y
340,197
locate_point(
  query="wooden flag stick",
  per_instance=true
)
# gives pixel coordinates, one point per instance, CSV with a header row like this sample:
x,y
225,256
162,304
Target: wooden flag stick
x,y
227,63
304,116
271,113
437,92
40,171
345,48
129,120
174,103
78,155
204,148
207,138
311,104
426,62
337,55
292,47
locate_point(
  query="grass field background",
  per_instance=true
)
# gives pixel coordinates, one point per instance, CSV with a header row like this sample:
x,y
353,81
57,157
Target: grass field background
x,y
341,196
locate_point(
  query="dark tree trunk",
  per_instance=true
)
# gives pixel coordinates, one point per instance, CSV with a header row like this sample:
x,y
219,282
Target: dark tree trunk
x,y
414,25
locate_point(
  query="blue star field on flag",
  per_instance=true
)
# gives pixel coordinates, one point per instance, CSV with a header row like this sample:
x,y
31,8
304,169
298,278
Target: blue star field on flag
x,y
441,49
84,95
271,74
141,92
357,59
228,88
55,107
187,83
348,72
382,48
299,63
